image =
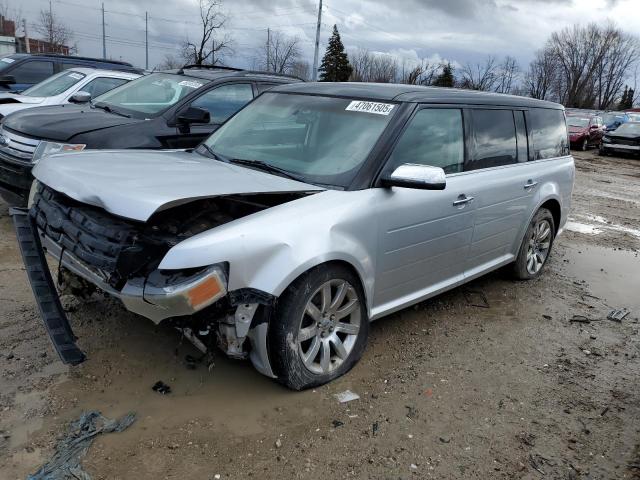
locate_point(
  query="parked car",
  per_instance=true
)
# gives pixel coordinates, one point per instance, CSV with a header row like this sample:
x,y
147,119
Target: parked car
x,y
19,71
585,130
613,120
625,139
175,109
76,85
313,211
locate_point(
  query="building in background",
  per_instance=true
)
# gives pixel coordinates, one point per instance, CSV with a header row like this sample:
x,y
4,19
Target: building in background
x,y
9,43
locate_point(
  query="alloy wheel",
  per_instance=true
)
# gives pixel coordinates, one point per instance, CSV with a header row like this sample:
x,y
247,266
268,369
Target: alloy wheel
x,y
539,246
329,326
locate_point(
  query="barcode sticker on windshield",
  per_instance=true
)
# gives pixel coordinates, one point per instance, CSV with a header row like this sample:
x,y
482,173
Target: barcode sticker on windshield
x,y
7,60
77,76
190,84
370,107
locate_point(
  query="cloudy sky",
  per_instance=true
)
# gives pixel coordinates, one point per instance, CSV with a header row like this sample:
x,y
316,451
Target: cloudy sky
x,y
457,30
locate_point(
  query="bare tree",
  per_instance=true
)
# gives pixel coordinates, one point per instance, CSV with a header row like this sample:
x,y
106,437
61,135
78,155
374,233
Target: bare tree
x,y
384,68
508,73
170,62
481,76
301,69
12,14
211,46
541,76
360,61
53,31
423,73
281,54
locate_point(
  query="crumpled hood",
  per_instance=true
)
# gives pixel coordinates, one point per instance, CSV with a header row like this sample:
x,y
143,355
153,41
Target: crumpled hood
x,y
17,98
135,184
62,122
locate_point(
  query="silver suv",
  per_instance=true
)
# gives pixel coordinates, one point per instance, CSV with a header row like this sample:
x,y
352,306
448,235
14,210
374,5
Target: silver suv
x,y
313,211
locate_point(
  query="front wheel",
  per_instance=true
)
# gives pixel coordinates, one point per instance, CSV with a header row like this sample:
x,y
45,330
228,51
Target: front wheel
x,y
320,328
584,146
536,246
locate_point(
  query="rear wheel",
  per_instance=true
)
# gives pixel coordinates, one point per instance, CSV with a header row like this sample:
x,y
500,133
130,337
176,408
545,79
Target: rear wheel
x,y
320,329
536,246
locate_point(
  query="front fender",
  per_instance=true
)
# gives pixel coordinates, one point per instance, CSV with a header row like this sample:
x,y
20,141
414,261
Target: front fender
x,y
270,249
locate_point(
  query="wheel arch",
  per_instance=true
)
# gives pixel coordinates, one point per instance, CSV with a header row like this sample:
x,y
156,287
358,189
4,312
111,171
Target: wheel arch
x,y
553,205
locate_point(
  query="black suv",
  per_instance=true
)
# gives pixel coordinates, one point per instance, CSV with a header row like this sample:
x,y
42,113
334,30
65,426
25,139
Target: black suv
x,y
22,70
173,109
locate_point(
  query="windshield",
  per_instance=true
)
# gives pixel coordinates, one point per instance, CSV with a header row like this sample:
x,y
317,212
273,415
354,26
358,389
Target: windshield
x,y
150,95
54,85
321,140
577,121
629,128
610,118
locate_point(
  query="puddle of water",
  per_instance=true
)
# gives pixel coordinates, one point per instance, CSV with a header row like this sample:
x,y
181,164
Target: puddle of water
x,y
613,275
582,228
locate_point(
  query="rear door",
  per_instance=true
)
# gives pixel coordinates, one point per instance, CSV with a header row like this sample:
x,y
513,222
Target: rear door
x,y
503,186
424,235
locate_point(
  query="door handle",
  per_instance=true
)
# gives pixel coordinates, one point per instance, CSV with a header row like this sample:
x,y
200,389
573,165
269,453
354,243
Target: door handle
x,y
462,200
530,184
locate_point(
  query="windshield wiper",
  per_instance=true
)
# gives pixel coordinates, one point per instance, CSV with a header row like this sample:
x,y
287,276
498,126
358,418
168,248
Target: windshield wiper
x,y
266,167
212,153
108,109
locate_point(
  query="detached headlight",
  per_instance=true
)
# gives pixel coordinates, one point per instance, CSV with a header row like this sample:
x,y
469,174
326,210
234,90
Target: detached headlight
x,y
606,140
49,148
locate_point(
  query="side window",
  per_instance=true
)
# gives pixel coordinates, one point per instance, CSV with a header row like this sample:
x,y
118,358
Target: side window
x,y
549,131
494,139
262,87
98,86
434,137
224,101
32,71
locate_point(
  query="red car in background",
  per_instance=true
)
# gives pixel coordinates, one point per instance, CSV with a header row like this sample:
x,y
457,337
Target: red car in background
x,y
585,130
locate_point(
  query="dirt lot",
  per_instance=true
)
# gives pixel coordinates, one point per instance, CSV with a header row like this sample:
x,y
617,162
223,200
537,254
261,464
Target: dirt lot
x,y
447,389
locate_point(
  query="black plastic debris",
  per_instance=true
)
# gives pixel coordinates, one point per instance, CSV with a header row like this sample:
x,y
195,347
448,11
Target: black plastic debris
x,y
476,298
579,319
618,315
191,362
337,423
374,428
70,450
161,387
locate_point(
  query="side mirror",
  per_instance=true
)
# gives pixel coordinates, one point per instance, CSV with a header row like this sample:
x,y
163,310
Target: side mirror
x,y
80,97
193,115
7,79
410,175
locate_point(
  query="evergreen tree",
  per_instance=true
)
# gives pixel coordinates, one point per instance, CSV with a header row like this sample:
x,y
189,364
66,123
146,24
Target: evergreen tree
x,y
445,79
335,65
624,100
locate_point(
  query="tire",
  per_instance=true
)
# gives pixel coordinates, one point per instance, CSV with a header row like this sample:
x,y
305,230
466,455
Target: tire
x,y
584,146
524,268
295,318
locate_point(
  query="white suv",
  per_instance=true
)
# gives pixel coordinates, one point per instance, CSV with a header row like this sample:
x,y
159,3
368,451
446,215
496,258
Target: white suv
x,y
65,87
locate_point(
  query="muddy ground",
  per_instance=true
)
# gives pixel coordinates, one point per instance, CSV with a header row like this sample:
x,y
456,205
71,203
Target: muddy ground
x,y
447,389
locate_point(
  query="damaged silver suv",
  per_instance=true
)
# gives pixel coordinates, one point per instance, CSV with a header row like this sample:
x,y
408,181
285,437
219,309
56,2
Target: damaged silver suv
x,y
313,211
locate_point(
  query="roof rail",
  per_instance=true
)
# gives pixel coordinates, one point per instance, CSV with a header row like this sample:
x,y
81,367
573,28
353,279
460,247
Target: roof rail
x,y
213,67
75,57
272,74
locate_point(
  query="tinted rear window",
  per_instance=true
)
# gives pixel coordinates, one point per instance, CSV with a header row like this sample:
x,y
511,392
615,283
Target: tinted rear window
x,y
494,139
549,132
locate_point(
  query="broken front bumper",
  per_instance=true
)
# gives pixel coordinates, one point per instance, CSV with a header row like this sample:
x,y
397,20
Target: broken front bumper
x,y
151,300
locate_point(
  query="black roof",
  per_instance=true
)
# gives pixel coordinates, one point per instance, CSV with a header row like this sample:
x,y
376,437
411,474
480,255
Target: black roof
x,y
75,57
412,93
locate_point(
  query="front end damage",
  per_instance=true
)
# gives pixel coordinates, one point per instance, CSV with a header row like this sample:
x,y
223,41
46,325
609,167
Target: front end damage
x,y
94,249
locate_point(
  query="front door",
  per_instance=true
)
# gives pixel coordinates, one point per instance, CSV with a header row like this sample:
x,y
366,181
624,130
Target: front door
x,y
424,235
221,103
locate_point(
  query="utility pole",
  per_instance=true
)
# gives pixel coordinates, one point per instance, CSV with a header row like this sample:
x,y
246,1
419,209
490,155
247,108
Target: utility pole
x,y
268,49
26,36
104,38
146,40
315,54
213,51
